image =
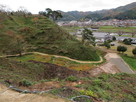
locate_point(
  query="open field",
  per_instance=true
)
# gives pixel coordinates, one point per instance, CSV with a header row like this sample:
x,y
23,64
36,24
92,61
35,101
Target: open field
x,y
71,29
111,29
116,29
128,35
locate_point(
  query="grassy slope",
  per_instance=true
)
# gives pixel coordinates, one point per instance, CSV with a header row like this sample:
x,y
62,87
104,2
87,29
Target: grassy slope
x,y
43,35
53,60
97,88
109,88
131,61
34,71
17,71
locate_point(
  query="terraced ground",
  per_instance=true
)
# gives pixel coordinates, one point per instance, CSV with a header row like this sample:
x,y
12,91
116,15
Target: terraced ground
x,y
38,33
59,60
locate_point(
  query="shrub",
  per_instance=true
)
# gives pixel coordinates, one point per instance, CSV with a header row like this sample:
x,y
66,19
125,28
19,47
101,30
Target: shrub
x,y
121,49
96,82
71,78
107,86
107,44
103,94
134,51
127,41
78,86
25,83
88,93
114,38
104,77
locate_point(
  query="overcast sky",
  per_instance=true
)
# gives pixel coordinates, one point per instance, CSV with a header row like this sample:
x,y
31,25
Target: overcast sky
x,y
35,6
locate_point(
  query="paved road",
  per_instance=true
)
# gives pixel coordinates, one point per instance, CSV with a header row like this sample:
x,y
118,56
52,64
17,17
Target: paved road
x,y
119,63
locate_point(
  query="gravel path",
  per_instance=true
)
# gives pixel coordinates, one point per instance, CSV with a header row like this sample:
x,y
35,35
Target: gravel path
x,y
116,60
114,64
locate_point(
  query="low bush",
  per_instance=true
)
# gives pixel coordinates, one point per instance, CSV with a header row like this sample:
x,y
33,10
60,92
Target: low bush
x,y
121,49
25,83
107,44
114,38
127,41
71,78
88,93
134,51
96,82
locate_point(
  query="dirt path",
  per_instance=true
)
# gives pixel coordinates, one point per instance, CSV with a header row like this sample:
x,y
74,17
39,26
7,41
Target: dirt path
x,y
88,62
114,64
101,59
7,95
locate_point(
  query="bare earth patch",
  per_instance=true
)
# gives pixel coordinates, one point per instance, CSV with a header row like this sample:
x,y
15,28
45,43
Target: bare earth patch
x,y
7,95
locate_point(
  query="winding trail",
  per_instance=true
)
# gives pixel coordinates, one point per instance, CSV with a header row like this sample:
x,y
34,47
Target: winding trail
x,y
57,56
78,61
114,64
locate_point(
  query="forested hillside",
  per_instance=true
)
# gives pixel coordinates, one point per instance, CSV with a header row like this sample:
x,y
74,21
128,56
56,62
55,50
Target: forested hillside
x,y
122,12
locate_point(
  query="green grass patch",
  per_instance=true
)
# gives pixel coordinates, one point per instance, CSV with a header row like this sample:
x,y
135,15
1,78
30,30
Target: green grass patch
x,y
129,35
113,29
131,61
72,28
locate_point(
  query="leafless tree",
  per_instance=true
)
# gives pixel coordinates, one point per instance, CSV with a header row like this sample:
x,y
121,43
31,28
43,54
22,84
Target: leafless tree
x,y
22,11
5,9
120,32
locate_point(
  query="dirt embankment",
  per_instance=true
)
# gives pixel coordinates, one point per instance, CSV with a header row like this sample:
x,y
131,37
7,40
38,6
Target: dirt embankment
x,y
52,71
7,95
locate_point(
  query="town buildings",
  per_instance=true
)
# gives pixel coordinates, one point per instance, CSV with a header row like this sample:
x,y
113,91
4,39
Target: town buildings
x,y
112,22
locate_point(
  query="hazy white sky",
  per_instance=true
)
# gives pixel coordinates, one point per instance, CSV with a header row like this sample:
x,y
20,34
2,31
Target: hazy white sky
x,y
35,6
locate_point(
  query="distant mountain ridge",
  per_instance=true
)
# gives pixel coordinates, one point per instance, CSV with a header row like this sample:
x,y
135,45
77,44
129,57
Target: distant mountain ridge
x,y
117,13
74,15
